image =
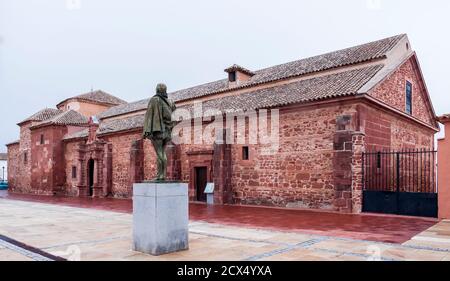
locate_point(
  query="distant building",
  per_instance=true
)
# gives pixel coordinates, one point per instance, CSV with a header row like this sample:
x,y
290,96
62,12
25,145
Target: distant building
x,y
3,166
331,107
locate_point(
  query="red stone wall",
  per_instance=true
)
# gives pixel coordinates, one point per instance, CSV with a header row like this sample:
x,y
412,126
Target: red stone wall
x,y
121,160
301,174
47,160
195,155
78,153
386,131
393,91
149,160
222,168
313,167
192,156
13,166
125,164
20,169
71,159
196,159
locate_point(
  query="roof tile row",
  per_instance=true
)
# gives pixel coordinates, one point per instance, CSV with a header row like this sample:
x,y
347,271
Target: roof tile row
x,y
345,57
345,83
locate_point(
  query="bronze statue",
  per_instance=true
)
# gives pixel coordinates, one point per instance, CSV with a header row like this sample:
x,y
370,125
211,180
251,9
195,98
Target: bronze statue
x,y
158,127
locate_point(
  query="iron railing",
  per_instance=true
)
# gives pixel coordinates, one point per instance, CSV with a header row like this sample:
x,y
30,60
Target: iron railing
x,y
400,171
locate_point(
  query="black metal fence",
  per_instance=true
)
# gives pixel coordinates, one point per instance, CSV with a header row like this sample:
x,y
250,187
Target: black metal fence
x,y
400,182
400,171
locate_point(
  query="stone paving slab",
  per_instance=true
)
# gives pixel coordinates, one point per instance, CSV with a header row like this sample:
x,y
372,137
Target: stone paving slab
x,y
89,234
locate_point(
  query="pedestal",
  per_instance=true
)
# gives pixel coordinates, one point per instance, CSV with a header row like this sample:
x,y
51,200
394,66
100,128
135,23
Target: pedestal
x,y
160,217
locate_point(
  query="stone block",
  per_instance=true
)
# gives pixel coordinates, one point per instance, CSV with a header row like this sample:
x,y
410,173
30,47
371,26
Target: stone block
x,y
160,217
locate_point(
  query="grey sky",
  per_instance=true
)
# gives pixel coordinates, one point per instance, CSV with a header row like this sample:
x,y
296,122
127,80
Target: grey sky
x,y
50,50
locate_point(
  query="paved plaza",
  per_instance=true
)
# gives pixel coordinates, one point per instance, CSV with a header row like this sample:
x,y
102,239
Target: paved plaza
x,y
48,231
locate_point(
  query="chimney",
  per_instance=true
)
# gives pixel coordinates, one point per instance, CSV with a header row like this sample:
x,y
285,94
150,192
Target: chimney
x,y
237,75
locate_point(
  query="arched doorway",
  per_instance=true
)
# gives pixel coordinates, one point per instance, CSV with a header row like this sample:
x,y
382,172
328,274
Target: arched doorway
x,y
91,167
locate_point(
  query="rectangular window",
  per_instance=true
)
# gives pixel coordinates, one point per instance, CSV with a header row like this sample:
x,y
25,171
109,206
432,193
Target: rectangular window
x,y
74,172
245,153
409,97
232,76
25,157
42,138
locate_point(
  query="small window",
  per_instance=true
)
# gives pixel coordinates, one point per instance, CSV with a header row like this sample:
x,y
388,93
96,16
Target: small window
x,y
25,157
408,97
74,172
42,138
232,76
245,153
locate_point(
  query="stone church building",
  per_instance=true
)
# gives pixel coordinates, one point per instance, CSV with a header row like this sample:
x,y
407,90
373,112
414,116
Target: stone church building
x,y
332,107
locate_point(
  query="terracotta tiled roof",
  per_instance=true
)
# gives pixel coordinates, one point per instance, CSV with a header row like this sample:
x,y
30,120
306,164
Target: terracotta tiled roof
x,y
112,126
43,115
324,87
80,134
98,97
124,109
349,56
122,124
341,84
3,156
70,117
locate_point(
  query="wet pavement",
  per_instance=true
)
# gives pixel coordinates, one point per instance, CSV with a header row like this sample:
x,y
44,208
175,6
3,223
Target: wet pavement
x,y
38,231
369,227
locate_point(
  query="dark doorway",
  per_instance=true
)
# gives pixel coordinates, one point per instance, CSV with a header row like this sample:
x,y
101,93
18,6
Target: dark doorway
x,y
200,183
91,165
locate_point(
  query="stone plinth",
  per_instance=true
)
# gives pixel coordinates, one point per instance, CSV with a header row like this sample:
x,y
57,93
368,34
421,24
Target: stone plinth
x,y
160,217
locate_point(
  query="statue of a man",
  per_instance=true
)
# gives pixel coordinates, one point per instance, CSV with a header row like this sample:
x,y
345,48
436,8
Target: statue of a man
x,y
158,127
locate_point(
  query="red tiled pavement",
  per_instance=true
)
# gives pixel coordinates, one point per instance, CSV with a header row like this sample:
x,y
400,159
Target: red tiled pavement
x,y
381,228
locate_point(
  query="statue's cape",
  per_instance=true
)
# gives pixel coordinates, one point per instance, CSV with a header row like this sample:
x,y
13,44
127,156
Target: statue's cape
x,y
158,107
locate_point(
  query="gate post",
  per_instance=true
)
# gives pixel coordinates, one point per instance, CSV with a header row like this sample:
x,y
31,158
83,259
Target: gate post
x,y
443,170
359,144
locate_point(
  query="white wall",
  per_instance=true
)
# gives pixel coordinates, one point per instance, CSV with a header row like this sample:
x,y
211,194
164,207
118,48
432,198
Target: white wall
x,y
3,163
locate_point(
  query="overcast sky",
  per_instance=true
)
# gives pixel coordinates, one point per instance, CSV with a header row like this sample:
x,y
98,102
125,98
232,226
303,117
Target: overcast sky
x,y
54,49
